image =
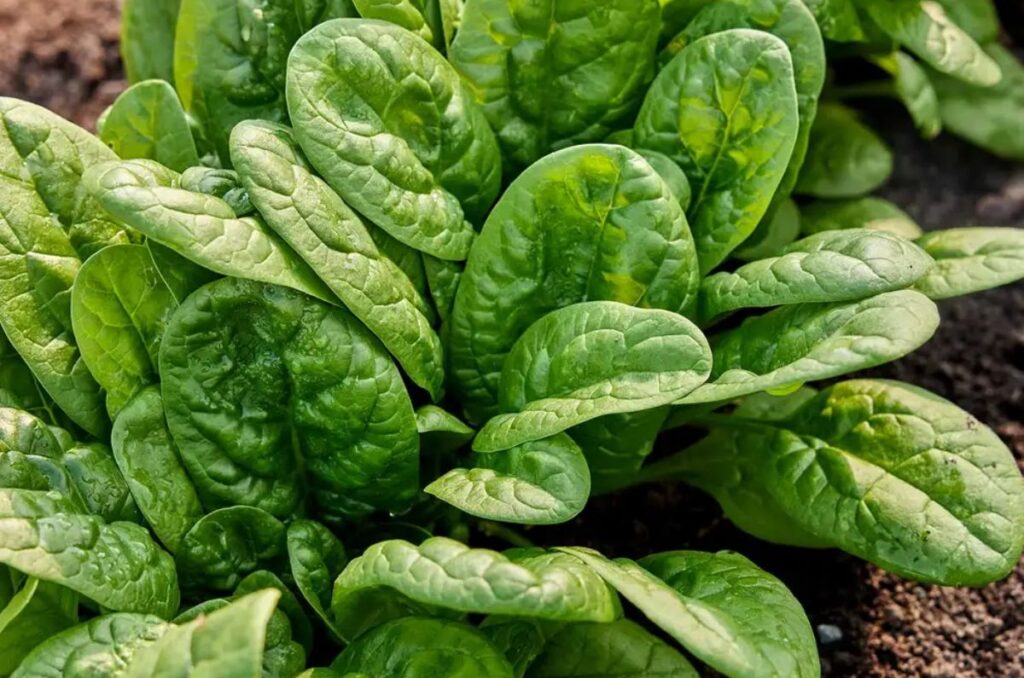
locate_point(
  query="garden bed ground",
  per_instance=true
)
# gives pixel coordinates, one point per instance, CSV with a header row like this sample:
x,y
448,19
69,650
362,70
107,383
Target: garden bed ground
x,y
63,54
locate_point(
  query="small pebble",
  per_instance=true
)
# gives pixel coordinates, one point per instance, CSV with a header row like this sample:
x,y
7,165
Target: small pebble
x,y
828,633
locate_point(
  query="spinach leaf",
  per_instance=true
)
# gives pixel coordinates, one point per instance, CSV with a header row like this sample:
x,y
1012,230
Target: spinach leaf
x,y
725,109
313,12
971,259
94,473
443,430
809,342
839,20
871,213
443,279
986,116
793,23
316,558
181,276
387,123
147,39
542,482
258,377
552,74
151,465
621,649
119,311
411,647
915,89
147,121
886,471
117,564
589,360
221,183
447,574
331,238
777,230
298,626
35,612
978,18
829,266
845,159
102,646
200,227
616,445
227,544
409,14
925,29
592,222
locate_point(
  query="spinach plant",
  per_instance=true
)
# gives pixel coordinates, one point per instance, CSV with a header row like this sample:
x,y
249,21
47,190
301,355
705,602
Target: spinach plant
x,y
343,285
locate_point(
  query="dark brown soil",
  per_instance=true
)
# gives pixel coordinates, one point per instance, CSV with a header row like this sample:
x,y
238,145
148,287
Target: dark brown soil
x,y
63,54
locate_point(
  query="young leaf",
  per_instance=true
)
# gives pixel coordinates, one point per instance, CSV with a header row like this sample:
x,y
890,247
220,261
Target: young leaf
x,y
759,607
827,267
149,460
590,360
987,116
549,75
331,238
147,121
890,473
441,430
809,342
411,647
971,260
258,377
592,222
446,574
925,29
102,646
119,311
725,109
388,124
620,649
200,227
117,565
316,558
793,23
873,214
845,159
543,482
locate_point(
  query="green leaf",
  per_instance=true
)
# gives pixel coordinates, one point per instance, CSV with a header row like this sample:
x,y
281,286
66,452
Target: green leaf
x,y
827,267
102,646
200,227
181,276
152,468
440,431
839,20
888,472
773,234
37,611
92,469
291,609
117,565
592,222
924,28
873,214
147,38
227,642
19,388
227,544
914,88
986,116
147,121
386,121
229,63
443,278
313,12
221,183
409,14
758,606
621,649
615,446
793,23
316,558
978,18
672,173
412,647
725,109
810,342
552,74
845,159
590,360
971,260
270,395
332,239
447,574
119,311
543,482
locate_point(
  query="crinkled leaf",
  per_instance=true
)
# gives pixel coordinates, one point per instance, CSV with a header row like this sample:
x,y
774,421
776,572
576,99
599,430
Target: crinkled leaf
x,y
316,558
147,121
92,469
971,259
409,14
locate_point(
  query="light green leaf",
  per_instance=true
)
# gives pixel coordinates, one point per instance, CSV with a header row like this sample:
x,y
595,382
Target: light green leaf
x,y
914,88
871,213
147,121
839,20
409,14
316,558
332,239
92,469
725,109
388,124
827,267
810,342
978,18
441,431
147,38
971,260
590,360
845,159
543,482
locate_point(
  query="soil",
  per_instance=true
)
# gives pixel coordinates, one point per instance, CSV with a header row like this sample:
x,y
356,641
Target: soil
x,y
63,55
